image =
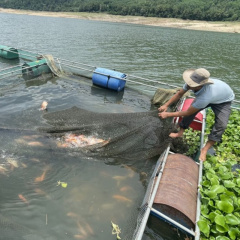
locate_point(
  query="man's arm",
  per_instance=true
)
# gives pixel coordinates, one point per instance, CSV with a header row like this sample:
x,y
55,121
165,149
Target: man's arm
x,y
173,99
191,110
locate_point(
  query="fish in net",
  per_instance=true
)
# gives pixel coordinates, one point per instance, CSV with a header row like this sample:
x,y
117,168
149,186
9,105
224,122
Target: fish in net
x,y
140,135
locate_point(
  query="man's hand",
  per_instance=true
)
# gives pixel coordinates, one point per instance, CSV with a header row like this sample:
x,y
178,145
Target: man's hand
x,y
163,108
163,115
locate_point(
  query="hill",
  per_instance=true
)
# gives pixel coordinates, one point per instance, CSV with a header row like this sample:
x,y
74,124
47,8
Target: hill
x,y
208,10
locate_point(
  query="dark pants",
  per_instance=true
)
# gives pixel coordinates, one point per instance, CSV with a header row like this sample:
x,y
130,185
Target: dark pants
x,y
222,112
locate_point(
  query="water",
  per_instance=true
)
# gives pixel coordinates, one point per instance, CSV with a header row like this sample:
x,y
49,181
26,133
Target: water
x,y
87,206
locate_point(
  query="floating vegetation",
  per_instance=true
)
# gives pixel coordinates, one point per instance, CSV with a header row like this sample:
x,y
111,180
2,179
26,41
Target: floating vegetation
x,y
220,190
192,138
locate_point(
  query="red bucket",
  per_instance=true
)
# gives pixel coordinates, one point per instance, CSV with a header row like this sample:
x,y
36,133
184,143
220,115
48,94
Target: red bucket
x,y
197,122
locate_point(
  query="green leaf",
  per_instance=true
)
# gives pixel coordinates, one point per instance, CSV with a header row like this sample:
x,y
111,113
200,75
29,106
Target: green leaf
x,y
207,165
220,220
206,183
214,190
229,184
225,197
211,194
204,210
217,188
233,233
204,227
238,182
225,206
226,175
211,203
229,193
232,219
214,181
212,216
212,238
222,229
222,238
211,175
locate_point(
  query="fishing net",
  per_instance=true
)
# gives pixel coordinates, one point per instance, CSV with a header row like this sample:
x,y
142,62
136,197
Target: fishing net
x,y
132,136
162,95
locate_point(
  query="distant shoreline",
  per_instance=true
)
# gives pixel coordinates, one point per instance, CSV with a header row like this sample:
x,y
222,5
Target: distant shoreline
x,y
229,27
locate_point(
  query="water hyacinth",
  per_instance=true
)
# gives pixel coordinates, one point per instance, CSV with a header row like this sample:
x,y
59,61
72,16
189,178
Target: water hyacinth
x,y
220,187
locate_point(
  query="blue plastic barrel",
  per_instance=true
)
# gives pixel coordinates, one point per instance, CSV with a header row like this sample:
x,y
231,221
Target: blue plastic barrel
x,y
109,79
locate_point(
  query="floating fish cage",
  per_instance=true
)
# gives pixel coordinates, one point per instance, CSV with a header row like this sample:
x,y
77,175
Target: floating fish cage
x,y
35,69
8,52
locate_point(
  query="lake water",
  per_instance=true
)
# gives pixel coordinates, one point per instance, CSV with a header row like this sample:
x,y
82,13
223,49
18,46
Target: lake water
x,y
98,192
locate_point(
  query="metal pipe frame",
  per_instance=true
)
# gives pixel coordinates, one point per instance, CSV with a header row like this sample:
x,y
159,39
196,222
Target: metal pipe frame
x,y
168,219
198,210
146,215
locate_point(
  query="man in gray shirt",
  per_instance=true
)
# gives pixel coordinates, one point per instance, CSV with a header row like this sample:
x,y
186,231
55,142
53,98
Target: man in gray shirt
x,y
208,93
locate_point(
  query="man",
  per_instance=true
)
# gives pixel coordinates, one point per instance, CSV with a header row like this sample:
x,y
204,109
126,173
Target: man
x,y
208,93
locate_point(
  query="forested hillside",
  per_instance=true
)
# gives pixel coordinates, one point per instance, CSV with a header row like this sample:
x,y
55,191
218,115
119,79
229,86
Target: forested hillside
x,y
210,10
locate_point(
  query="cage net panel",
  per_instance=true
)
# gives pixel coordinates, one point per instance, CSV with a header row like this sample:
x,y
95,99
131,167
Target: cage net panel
x,y
127,135
162,95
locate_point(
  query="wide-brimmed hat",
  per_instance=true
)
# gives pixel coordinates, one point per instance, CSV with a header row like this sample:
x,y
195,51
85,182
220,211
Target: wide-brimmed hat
x,y
197,77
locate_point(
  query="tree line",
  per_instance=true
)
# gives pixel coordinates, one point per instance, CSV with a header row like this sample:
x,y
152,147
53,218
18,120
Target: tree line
x,y
209,10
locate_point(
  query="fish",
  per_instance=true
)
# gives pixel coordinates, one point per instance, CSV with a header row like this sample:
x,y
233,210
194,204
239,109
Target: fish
x,y
126,189
23,198
73,140
44,105
3,170
122,198
131,171
24,165
35,160
89,229
81,229
78,236
35,144
41,192
20,141
13,163
108,206
119,179
42,177
30,137
72,214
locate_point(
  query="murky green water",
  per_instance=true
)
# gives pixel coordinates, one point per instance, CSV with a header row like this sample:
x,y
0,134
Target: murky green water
x,y
32,206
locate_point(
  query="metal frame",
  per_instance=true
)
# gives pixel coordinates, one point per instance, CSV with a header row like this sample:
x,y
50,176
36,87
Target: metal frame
x,y
149,206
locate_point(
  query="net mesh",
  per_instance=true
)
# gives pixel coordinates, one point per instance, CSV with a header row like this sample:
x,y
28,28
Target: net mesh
x,y
129,136
162,95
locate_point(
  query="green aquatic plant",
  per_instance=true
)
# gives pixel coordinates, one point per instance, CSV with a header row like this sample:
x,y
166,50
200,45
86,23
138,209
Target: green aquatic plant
x,y
220,187
192,138
229,147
